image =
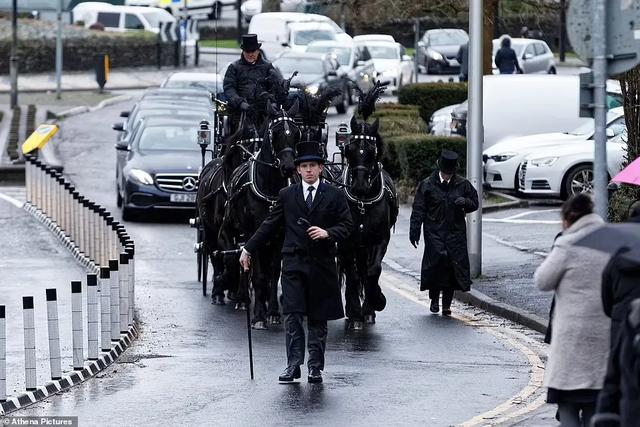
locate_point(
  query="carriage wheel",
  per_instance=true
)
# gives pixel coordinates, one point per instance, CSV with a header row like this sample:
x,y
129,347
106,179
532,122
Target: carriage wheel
x,y
204,261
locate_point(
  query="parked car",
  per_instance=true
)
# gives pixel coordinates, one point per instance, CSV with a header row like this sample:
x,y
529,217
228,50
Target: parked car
x,y
315,72
534,56
355,62
250,8
563,170
440,121
273,30
517,105
438,50
208,81
303,33
121,18
153,108
390,60
502,160
159,167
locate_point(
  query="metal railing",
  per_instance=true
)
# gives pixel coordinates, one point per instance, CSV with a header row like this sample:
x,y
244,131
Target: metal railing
x,y
102,245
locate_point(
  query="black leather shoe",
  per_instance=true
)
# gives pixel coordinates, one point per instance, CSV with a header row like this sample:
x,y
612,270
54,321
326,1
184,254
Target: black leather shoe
x,y
315,376
446,311
435,307
289,374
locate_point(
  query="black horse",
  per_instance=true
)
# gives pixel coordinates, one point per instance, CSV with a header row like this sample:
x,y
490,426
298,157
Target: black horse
x,y
373,201
212,196
253,192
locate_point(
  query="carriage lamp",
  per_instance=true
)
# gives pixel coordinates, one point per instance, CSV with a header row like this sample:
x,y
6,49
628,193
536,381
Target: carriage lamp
x,y
343,134
204,134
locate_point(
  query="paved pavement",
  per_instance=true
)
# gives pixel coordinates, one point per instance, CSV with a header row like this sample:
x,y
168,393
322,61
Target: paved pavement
x,y
32,260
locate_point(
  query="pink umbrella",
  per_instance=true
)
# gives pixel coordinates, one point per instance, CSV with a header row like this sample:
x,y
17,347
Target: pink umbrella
x,y
630,174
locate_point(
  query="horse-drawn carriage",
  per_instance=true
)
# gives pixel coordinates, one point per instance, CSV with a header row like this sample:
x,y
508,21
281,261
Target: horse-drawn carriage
x,y
239,186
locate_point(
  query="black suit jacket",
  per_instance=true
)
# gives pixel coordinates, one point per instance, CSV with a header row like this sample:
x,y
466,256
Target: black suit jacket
x,y
309,277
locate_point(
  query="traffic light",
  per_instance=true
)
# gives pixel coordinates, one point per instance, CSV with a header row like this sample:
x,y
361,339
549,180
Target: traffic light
x,y
586,95
102,69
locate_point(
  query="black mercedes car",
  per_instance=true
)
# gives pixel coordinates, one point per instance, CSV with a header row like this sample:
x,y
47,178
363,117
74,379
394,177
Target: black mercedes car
x,y
158,167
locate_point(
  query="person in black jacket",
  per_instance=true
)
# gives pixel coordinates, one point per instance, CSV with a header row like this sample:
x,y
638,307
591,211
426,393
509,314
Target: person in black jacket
x,y
243,79
440,205
506,59
315,216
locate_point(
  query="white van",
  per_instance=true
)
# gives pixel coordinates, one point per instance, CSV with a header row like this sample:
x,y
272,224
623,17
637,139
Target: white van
x,y
275,33
121,18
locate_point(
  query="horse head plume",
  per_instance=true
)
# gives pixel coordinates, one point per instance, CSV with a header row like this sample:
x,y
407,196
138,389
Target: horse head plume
x,y
367,101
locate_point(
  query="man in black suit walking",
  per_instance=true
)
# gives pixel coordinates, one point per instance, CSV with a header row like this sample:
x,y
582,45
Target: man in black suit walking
x,y
315,216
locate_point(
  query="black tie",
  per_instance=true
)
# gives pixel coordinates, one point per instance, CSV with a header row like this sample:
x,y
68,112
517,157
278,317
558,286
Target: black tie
x,y
310,196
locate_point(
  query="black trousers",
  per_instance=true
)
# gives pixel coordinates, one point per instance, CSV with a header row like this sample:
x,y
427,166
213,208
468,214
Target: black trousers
x,y
447,296
295,338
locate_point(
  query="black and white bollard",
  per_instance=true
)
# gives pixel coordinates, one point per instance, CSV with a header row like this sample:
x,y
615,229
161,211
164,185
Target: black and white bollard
x,y
92,315
29,343
124,293
130,252
105,308
54,334
3,355
76,325
115,300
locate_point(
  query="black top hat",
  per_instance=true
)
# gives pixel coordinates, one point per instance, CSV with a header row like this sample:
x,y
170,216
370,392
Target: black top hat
x,y
448,161
250,42
308,151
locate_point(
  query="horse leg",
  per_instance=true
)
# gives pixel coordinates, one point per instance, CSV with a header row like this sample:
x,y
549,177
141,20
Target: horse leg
x,y
273,315
353,308
217,293
260,282
374,298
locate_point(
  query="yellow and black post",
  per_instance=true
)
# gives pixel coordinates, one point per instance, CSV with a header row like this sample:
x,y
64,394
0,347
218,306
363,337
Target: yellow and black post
x,y
103,65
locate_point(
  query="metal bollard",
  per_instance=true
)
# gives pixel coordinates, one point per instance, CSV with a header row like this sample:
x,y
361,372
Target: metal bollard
x,y
29,343
124,293
105,309
81,219
114,239
66,212
76,325
3,355
101,235
91,233
130,252
59,200
54,335
109,239
92,315
27,178
75,218
115,300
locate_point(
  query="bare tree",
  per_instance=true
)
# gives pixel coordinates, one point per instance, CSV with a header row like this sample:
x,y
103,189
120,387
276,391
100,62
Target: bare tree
x,y
630,85
271,5
490,8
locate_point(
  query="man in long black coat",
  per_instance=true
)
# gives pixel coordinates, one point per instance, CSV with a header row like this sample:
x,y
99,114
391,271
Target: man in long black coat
x,y
315,216
242,79
440,204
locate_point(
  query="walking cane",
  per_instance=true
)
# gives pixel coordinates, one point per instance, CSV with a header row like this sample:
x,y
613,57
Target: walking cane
x,y
249,329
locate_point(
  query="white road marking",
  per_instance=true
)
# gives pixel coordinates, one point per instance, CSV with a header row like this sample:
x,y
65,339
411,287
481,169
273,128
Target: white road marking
x,y
521,221
17,203
521,214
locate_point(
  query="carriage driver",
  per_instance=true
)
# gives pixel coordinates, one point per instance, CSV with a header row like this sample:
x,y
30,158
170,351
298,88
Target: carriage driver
x,y
242,78
315,216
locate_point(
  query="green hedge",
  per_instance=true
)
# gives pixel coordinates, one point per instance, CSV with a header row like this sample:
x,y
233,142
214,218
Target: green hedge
x,y
432,96
412,157
396,119
125,50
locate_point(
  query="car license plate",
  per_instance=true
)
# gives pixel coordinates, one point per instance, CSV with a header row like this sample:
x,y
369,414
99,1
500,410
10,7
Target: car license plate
x,y
183,198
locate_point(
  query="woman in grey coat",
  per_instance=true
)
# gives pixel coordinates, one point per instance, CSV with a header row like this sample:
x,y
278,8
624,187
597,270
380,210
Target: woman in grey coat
x,y
580,337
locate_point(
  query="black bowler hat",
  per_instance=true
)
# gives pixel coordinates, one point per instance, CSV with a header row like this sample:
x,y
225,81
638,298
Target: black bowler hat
x,y
448,161
250,42
308,151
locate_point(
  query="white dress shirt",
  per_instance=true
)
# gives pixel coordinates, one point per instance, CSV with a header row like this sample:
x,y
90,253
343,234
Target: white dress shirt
x,y
305,187
442,180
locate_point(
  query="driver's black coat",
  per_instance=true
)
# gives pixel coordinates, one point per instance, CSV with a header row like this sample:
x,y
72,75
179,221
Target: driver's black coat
x,y
242,78
309,275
